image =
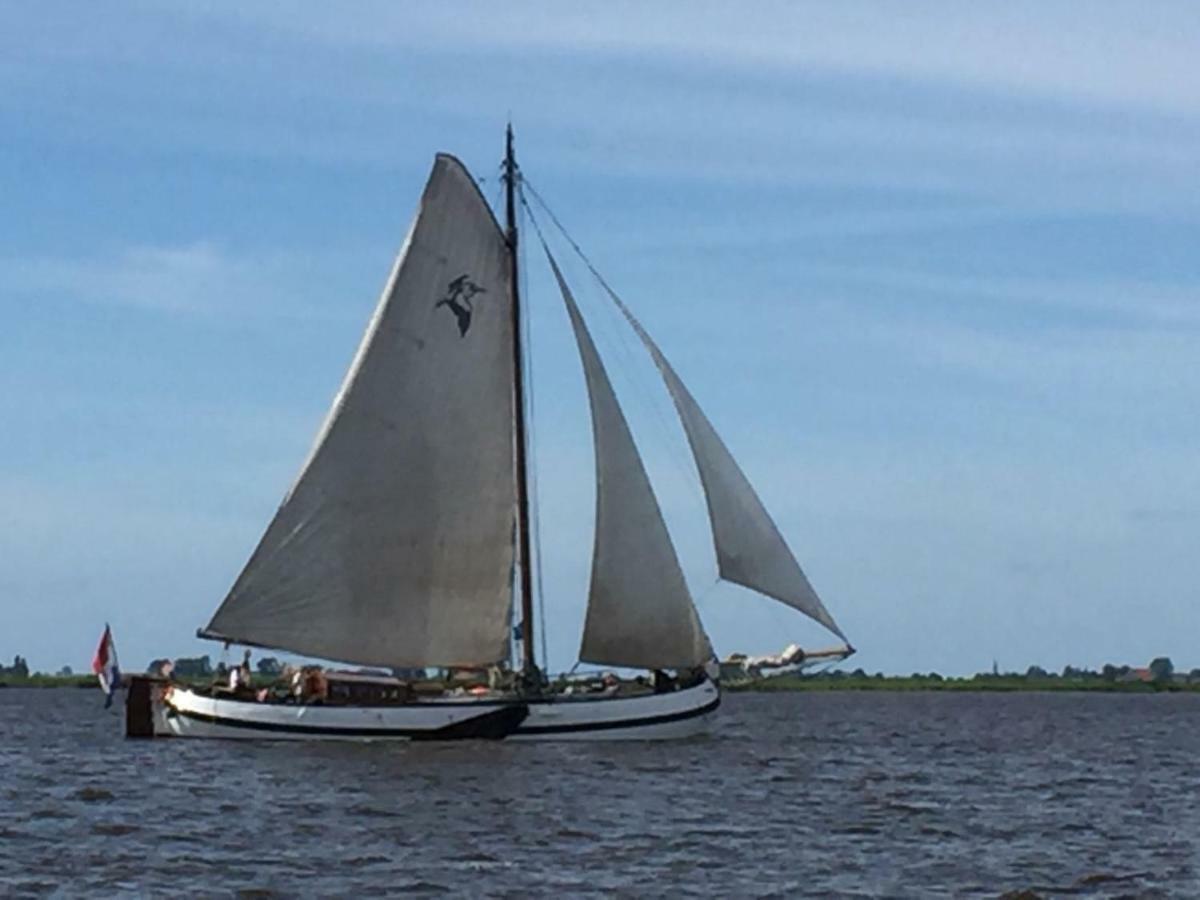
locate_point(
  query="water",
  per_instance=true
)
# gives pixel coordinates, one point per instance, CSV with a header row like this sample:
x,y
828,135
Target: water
x,y
838,794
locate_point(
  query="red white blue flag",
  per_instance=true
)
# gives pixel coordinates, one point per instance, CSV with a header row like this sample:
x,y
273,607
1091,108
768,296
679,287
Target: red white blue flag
x,y
104,664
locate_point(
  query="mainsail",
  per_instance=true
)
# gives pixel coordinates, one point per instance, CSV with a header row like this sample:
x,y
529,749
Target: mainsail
x,y
395,545
750,550
640,613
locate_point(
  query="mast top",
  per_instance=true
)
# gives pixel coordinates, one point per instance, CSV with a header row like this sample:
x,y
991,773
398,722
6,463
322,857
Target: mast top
x,y
510,184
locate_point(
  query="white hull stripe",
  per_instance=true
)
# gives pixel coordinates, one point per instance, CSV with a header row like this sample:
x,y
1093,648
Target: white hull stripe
x,y
643,722
495,724
492,725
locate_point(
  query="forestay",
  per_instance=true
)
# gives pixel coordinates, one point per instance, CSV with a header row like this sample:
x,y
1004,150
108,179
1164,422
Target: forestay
x,y
750,550
394,547
640,613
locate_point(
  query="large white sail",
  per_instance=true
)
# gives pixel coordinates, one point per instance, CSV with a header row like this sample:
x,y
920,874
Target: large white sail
x,y
640,613
750,550
394,547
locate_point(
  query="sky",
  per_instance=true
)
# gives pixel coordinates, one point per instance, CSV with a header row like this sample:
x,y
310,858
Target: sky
x,y
932,273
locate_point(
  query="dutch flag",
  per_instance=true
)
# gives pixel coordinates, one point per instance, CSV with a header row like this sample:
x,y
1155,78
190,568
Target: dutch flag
x,y
104,664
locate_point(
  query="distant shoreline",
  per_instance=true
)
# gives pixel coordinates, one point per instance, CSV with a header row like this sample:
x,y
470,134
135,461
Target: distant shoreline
x,y
818,683
986,683
49,681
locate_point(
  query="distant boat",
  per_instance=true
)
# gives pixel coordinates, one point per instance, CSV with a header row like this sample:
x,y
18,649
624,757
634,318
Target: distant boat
x,y
405,541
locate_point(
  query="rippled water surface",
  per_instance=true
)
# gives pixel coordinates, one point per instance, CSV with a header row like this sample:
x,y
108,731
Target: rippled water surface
x,y
906,795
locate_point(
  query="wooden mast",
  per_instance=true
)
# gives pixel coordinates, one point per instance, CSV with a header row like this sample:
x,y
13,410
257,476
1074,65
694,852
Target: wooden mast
x,y
529,664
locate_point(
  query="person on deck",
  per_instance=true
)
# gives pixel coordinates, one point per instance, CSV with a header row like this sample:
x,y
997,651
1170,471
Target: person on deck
x,y
239,676
316,687
244,670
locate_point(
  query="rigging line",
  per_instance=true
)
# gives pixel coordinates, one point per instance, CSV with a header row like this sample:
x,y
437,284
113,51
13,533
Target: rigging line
x,y
621,305
707,575
532,218
531,431
546,248
497,178
708,578
821,667
634,359
625,346
690,475
779,621
608,320
483,181
513,653
614,333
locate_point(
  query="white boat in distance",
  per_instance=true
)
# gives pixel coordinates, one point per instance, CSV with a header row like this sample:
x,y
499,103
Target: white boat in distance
x,y
397,545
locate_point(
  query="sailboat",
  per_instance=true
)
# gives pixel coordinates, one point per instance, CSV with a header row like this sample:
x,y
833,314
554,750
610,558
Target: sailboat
x,y
404,543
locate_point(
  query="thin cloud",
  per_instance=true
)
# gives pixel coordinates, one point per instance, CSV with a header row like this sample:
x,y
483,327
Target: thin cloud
x,y
196,279
1116,54
998,104
1140,303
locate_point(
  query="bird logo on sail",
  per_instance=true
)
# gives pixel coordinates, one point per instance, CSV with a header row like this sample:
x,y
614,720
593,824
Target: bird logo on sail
x,y
458,300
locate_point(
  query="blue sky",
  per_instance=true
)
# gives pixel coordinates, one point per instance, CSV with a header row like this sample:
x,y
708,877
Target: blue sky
x,y
932,274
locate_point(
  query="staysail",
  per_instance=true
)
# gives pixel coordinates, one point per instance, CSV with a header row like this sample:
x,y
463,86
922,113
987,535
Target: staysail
x,y
395,545
750,550
640,613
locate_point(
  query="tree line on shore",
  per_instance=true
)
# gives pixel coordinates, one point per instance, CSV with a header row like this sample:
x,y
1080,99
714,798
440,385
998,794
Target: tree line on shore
x,y
1160,673
20,670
